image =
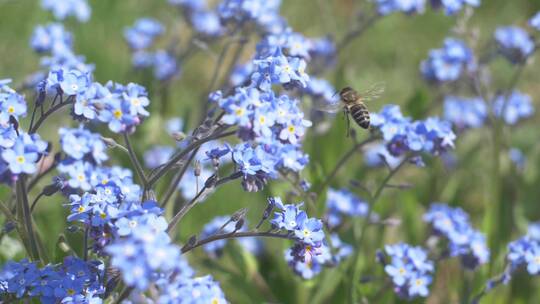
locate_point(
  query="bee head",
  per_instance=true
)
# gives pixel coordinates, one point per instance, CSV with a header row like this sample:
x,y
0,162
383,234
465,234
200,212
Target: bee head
x,y
348,95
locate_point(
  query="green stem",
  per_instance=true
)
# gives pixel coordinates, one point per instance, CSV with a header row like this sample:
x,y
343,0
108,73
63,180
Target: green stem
x,y
25,216
362,231
135,161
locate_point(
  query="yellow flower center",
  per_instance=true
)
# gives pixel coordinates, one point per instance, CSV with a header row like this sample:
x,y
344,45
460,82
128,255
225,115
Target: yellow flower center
x,y
419,282
118,114
306,232
103,215
71,292
291,129
80,209
215,301
104,182
239,112
135,101
402,271
20,159
11,109
81,177
262,119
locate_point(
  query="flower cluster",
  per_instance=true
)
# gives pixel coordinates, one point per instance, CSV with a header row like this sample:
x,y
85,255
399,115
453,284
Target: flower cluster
x,y
432,136
19,151
56,44
62,9
73,281
342,203
191,291
385,7
409,269
309,252
514,107
264,14
514,43
449,62
121,107
140,37
451,7
465,112
525,252
204,21
143,249
274,124
463,240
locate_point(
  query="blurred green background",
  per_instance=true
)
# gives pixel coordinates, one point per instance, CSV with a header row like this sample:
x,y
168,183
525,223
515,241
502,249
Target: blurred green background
x,y
391,51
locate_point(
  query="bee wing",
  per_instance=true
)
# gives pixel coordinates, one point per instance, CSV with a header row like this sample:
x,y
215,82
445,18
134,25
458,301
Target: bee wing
x,y
373,92
321,104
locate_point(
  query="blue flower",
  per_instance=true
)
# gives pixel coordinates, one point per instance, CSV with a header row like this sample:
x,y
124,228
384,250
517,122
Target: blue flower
x,y
143,33
165,65
465,112
464,241
385,7
451,7
409,269
514,43
514,107
74,82
535,21
82,144
157,156
51,38
517,157
62,9
206,23
193,291
447,64
309,230
24,154
343,203
11,104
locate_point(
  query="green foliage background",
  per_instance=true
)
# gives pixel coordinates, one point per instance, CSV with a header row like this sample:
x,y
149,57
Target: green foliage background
x,y
391,52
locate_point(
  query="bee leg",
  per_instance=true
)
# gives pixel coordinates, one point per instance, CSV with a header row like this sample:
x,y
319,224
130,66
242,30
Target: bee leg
x,y
346,113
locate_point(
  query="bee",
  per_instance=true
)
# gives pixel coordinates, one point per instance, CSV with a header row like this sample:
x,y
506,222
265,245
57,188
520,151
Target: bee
x,y
352,103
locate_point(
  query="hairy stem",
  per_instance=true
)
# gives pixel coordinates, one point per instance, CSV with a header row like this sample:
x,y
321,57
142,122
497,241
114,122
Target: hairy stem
x,y
233,235
135,161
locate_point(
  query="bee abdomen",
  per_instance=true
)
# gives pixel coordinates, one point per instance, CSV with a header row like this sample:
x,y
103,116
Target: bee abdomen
x,y
360,114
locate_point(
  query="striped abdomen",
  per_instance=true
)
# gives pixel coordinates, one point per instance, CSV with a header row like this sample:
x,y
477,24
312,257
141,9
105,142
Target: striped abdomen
x,y
360,114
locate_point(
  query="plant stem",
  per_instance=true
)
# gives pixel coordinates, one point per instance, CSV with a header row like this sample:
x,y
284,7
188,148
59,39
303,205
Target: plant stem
x,y
176,158
234,235
176,180
360,238
49,112
135,161
25,216
342,162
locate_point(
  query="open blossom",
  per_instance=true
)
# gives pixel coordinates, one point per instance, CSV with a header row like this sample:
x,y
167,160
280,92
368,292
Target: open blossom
x,y
514,43
409,269
62,9
448,63
464,241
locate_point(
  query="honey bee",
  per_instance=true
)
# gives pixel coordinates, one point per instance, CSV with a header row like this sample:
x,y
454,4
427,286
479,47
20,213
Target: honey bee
x,y
352,102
